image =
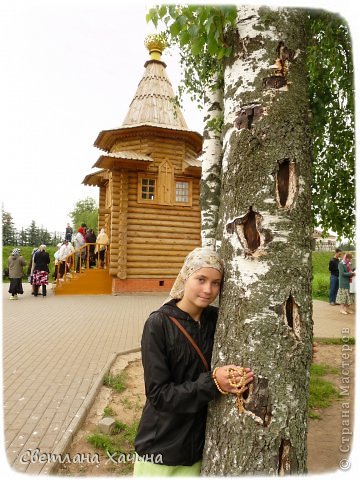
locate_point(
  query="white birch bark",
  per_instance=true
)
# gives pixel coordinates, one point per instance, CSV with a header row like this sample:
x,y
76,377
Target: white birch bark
x,y
265,318
211,167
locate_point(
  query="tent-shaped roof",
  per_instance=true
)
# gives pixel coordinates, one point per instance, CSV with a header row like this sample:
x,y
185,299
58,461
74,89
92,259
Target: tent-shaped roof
x,y
153,105
153,102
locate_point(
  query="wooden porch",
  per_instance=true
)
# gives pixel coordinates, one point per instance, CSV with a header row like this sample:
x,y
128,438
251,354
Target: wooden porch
x,y
84,273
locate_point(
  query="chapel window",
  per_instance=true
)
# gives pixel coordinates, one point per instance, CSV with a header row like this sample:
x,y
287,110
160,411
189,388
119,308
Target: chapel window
x,y
182,192
148,189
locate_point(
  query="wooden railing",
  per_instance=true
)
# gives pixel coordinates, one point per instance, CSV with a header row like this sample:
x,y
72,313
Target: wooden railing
x,y
77,262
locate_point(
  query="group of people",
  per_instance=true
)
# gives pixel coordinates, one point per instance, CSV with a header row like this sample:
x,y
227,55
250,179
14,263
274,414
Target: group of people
x,y
74,244
38,272
342,291
38,268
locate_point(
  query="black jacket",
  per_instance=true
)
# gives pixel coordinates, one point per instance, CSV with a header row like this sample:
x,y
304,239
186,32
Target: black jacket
x,y
41,260
177,387
334,266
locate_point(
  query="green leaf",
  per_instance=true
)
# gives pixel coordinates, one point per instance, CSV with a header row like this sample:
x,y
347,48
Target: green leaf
x,y
193,31
175,29
197,46
162,11
209,25
184,38
213,45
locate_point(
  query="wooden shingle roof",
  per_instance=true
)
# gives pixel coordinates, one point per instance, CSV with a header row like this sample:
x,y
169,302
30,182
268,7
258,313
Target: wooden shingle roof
x,y
96,179
153,102
152,108
122,159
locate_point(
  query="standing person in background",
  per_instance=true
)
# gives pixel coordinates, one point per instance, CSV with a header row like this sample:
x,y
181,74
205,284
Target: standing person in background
x,y
79,242
90,237
334,276
57,260
41,270
15,265
30,270
344,297
102,241
64,260
68,232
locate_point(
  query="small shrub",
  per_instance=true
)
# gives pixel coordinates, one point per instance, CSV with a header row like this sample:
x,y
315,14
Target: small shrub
x,y
117,382
109,412
119,427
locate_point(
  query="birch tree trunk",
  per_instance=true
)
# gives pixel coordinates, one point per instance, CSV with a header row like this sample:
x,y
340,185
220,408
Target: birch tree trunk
x,y
211,166
265,318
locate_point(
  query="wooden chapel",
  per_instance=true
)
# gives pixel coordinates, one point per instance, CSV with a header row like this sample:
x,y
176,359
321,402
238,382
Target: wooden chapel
x,y
149,185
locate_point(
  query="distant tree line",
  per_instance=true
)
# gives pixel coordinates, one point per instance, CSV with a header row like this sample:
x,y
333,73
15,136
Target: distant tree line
x,y
32,235
85,211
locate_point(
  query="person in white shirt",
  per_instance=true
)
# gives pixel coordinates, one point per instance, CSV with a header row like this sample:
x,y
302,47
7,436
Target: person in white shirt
x,y
64,261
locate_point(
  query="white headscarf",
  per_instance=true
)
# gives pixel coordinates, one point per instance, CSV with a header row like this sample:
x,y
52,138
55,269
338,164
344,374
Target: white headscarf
x,y
202,257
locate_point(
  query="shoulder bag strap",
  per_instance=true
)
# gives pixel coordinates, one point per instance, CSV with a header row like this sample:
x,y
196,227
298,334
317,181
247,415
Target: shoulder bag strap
x,y
191,340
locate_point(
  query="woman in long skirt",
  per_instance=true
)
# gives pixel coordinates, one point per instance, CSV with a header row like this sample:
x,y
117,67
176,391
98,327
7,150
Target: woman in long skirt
x,y
16,263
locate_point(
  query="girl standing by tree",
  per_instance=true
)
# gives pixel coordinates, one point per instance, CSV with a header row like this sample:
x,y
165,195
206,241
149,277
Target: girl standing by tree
x,y
178,383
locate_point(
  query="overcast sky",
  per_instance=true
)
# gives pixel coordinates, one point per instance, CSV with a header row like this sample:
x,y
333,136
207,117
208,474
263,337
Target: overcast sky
x,y
68,71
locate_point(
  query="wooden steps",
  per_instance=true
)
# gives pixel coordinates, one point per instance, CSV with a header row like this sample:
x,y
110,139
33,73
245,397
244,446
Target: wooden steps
x,y
90,282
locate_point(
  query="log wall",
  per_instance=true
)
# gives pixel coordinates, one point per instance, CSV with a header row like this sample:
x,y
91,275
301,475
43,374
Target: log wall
x,y
102,197
149,241
160,236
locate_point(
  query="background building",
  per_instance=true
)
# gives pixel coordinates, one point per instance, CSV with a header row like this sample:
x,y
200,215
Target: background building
x,y
149,185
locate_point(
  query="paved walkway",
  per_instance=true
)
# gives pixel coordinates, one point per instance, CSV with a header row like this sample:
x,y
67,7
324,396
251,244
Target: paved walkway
x,y
56,351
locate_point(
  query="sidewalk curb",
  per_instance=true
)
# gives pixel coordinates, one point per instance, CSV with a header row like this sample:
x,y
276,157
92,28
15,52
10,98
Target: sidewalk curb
x,y
80,415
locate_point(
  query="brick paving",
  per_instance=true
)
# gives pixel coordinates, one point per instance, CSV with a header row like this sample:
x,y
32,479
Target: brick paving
x,y
56,351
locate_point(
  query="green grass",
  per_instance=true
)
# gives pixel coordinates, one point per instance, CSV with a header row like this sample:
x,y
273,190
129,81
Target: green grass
x,y
121,441
321,275
98,440
335,341
109,412
322,392
320,261
117,382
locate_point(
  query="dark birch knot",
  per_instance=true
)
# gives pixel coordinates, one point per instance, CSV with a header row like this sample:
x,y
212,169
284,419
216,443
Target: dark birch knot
x,y
279,81
292,317
248,115
284,460
257,400
276,82
286,183
285,53
252,236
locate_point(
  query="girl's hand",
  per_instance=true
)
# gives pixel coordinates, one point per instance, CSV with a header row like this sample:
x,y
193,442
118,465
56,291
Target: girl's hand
x,y
223,378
